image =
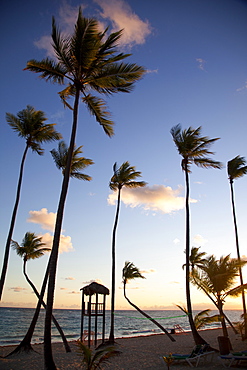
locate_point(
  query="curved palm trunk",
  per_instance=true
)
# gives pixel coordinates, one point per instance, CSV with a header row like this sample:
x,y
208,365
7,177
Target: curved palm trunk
x,y
49,362
239,258
197,338
12,223
26,344
111,337
147,316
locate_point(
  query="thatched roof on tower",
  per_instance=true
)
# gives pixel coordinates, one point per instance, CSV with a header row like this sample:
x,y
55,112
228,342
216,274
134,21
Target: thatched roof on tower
x,y
95,288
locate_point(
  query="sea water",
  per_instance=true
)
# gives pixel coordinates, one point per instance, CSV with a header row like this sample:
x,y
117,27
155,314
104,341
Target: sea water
x,y
14,322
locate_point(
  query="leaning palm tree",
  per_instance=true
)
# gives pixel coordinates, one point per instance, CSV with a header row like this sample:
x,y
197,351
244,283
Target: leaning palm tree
x,y
33,248
30,125
87,61
237,168
217,278
130,272
194,149
78,163
124,176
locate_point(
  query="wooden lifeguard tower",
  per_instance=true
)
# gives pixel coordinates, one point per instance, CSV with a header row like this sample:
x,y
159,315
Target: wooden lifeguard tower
x,y
93,309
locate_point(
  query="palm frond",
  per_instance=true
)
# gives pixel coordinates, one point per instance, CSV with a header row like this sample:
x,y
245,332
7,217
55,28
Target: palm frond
x,y
48,70
236,168
97,107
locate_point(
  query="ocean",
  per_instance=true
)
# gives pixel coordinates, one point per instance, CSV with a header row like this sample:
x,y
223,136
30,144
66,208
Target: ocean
x,y
14,323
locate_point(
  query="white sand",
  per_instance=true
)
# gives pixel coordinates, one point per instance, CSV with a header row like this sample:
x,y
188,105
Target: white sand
x,y
142,352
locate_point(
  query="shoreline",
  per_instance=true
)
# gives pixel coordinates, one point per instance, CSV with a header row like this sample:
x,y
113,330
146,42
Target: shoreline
x,y
138,352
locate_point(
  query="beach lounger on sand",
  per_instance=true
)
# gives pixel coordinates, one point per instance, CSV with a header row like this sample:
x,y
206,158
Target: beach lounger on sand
x,y
198,353
233,358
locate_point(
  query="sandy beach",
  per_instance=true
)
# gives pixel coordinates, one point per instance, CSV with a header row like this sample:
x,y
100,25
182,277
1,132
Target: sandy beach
x,y
143,352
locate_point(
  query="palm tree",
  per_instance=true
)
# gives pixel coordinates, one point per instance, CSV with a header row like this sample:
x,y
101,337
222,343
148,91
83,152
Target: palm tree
x,y
237,168
124,176
30,125
87,61
130,272
217,278
32,248
93,360
194,149
196,258
202,318
60,157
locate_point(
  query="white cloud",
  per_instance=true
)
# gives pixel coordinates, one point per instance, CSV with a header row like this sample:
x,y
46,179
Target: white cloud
x,y
150,271
69,278
199,240
43,218
122,17
117,12
176,241
65,244
201,63
93,281
158,198
243,87
17,289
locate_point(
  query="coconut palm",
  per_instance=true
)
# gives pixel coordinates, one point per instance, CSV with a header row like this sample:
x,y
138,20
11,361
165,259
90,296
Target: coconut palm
x,y
60,157
202,318
33,248
196,258
124,176
130,272
237,168
194,149
93,360
88,62
30,125
217,278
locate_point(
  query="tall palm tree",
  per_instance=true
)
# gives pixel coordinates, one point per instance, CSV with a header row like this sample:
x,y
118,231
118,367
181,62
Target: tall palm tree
x,y
237,168
124,176
87,61
30,125
78,163
130,272
217,278
194,149
32,248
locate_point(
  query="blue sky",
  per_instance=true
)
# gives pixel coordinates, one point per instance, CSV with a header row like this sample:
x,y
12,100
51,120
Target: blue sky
x,y
196,59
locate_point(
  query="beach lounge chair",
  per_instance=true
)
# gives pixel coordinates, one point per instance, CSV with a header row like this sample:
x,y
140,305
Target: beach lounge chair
x,y
236,358
199,352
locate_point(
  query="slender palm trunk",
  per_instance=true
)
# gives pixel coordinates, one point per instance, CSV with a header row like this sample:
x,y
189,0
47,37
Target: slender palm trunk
x,y
239,259
12,223
147,316
223,323
49,362
65,342
111,337
197,338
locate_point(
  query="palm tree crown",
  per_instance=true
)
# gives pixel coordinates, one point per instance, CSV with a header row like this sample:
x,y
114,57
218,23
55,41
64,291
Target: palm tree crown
x,y
196,258
130,271
30,124
236,168
194,148
125,175
87,60
60,157
31,247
